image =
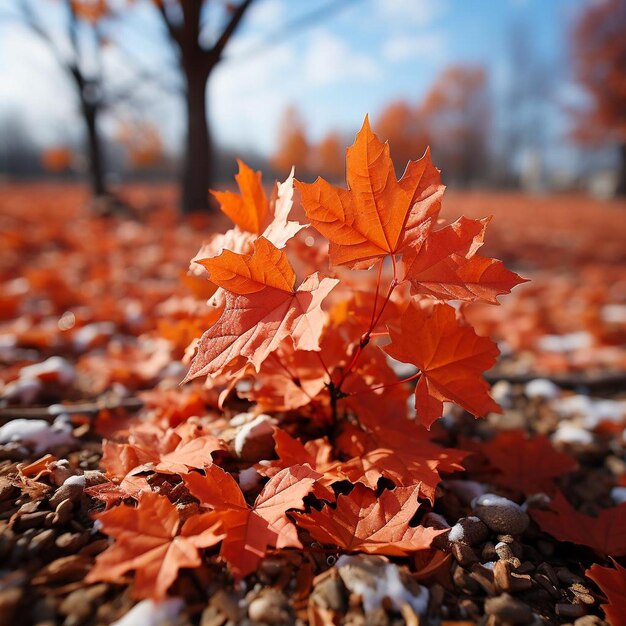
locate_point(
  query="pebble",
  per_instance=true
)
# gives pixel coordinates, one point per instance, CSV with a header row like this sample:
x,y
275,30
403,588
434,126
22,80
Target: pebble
x,y
270,608
501,514
331,594
469,530
508,608
71,489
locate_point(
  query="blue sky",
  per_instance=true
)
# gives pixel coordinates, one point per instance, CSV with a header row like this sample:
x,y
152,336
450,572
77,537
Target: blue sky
x,y
337,70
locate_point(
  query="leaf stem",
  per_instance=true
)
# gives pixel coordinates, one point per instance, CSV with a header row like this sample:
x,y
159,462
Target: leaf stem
x,y
397,382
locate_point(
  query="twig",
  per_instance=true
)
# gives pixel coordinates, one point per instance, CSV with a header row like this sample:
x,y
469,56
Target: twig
x,y
51,412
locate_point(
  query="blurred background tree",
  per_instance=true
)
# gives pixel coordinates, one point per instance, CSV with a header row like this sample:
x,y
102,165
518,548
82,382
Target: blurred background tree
x,y
599,54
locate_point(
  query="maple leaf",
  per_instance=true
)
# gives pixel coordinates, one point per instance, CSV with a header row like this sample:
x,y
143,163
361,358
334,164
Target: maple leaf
x,y
378,215
262,308
251,530
364,522
612,582
151,540
398,450
606,533
443,264
451,359
526,464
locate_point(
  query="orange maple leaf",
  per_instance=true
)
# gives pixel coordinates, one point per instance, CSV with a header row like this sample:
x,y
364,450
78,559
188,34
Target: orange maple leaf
x,y
612,582
251,530
451,359
262,309
443,264
151,540
365,522
606,533
396,449
378,215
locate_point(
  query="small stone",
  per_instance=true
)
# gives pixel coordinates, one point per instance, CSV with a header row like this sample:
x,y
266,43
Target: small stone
x,y
501,514
9,602
469,530
270,608
464,554
331,594
72,489
63,512
565,609
508,608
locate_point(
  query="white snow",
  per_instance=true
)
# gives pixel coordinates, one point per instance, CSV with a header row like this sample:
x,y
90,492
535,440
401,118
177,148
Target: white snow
x,y
84,337
491,499
149,613
619,494
542,388
566,343
22,390
75,480
593,410
501,392
386,583
38,434
457,533
55,367
569,433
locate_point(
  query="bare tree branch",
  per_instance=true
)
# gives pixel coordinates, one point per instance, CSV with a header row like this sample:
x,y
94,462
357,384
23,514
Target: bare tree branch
x,y
220,44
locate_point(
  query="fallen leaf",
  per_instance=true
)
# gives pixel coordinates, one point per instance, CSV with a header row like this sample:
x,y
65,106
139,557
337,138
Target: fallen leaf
x,y
612,582
251,530
365,522
606,533
151,540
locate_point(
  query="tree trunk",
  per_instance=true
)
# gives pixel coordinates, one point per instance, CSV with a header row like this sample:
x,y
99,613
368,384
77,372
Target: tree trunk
x,y
621,171
198,164
94,150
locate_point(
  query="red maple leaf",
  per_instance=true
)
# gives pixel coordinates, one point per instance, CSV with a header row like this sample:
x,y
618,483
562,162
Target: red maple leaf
x,y
612,582
251,530
606,533
151,540
365,522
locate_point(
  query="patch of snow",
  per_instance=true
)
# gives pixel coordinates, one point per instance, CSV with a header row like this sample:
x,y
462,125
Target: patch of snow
x,y
55,367
568,433
85,336
491,499
39,435
566,343
22,390
75,480
387,583
457,533
618,494
501,392
542,388
593,410
149,613
614,313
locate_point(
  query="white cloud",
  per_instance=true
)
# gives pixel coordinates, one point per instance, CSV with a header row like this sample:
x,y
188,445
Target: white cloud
x,y
329,60
411,12
428,46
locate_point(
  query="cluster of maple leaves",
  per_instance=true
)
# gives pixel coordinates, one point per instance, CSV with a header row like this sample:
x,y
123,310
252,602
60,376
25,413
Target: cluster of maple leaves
x,y
392,266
